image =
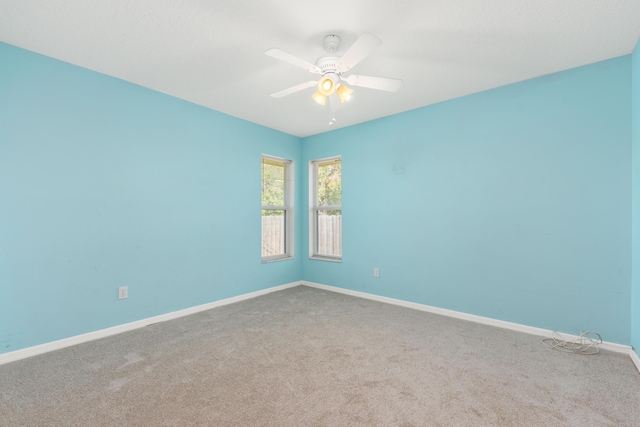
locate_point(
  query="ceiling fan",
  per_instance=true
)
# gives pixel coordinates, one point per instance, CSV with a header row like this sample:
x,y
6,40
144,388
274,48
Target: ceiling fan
x,y
332,71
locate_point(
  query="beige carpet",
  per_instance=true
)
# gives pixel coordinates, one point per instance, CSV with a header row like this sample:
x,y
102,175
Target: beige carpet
x,y
306,357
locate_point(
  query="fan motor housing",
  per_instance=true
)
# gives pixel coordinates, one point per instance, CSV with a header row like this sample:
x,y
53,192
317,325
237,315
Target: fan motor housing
x,y
329,64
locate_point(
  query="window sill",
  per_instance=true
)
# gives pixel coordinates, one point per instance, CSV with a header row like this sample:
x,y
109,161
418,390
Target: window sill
x,y
325,258
268,260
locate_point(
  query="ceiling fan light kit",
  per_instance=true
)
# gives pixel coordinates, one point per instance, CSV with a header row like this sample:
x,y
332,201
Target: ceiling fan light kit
x,y
326,85
344,92
331,70
319,98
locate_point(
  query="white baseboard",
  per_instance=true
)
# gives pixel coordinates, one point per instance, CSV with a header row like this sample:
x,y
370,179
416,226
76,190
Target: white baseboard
x,y
90,336
102,333
618,348
635,359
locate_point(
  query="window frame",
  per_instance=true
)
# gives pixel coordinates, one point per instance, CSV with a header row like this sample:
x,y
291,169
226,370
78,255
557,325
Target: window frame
x,y
314,208
288,209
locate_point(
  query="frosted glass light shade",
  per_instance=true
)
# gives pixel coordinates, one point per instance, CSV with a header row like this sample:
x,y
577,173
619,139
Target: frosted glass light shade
x,y
344,93
319,98
326,86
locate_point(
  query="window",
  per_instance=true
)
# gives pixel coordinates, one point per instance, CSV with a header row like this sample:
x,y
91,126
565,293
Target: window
x,y
277,208
325,225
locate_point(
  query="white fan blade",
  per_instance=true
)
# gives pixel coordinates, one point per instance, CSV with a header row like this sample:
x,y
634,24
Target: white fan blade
x,y
380,83
293,60
294,89
359,50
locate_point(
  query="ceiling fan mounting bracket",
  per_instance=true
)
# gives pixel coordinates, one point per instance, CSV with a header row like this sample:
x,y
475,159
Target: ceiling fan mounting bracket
x,y
331,43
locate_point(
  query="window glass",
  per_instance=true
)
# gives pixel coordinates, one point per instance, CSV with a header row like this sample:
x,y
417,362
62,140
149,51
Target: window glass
x,y
273,232
329,183
326,209
277,209
273,182
329,232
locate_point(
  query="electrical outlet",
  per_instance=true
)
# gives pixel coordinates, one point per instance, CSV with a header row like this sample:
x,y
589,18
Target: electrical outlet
x,y
123,292
376,272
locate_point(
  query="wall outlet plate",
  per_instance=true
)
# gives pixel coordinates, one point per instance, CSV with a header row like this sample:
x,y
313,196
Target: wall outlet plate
x,y
376,272
123,292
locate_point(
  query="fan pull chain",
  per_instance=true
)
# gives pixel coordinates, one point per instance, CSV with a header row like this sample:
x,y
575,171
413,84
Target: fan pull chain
x,y
332,115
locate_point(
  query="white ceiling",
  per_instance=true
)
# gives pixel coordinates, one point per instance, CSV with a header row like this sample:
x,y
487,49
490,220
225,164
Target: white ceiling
x,y
211,52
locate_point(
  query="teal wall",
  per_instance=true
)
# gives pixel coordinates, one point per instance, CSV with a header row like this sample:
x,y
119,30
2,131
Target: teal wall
x,y
105,184
514,203
635,284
